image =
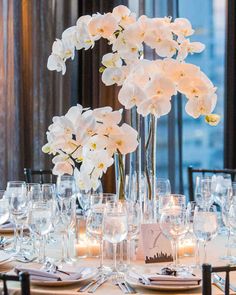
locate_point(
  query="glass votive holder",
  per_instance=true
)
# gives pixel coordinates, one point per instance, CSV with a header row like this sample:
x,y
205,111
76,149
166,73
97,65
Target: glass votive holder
x,y
186,246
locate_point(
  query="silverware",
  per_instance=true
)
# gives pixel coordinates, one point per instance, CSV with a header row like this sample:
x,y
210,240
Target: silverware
x,y
98,284
222,281
119,281
218,284
24,259
129,288
89,284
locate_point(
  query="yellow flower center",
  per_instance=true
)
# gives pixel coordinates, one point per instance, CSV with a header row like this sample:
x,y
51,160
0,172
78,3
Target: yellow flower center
x,y
94,146
101,166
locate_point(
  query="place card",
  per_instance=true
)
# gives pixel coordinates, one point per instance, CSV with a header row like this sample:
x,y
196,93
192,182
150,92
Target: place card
x,y
156,247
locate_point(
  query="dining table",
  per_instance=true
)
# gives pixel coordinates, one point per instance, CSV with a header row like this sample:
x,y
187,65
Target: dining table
x,y
216,249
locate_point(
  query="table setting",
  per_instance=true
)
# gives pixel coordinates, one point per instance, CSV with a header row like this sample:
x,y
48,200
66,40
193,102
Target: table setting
x,y
118,228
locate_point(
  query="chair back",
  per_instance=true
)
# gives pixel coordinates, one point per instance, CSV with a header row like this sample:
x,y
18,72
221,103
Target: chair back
x,y
40,176
23,278
192,172
207,271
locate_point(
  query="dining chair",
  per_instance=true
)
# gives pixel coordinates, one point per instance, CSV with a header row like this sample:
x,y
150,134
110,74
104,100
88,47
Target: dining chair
x,y
23,278
41,176
204,172
224,284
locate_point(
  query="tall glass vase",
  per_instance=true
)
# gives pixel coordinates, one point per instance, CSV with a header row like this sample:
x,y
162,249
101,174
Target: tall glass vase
x,y
150,163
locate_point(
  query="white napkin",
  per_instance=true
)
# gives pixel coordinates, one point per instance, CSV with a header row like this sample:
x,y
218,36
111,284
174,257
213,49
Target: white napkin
x,y
7,224
156,279
43,275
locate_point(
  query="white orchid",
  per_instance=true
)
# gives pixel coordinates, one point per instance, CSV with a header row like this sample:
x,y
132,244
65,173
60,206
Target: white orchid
x,y
102,25
187,47
157,106
112,60
112,76
123,15
131,95
56,63
88,138
202,105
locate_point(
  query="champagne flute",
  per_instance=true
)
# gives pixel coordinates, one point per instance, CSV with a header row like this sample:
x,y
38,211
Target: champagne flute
x,y
205,226
115,226
206,192
162,189
173,224
134,220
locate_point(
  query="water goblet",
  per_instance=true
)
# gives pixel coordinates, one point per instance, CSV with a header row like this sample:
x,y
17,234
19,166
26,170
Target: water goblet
x,y
48,191
115,227
206,192
205,226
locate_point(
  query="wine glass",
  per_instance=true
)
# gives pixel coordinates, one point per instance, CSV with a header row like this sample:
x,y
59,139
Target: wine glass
x,y
225,217
205,226
66,186
171,201
34,191
18,209
134,221
84,197
173,224
102,198
48,191
115,226
40,223
4,208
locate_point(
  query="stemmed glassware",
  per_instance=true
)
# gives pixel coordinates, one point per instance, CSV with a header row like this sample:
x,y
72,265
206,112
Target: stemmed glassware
x,y
232,223
66,186
64,217
84,197
94,223
173,224
171,201
205,226
115,226
48,191
4,208
18,209
206,193
134,220
40,218
162,190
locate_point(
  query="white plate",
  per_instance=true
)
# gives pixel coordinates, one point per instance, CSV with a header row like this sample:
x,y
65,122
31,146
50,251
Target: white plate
x,y
4,257
134,282
65,283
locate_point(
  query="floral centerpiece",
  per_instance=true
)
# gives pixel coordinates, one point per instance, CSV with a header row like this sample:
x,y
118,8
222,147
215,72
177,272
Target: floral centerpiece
x,y
84,141
146,85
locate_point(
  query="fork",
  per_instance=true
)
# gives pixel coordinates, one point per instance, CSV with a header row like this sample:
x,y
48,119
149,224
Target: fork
x,y
119,281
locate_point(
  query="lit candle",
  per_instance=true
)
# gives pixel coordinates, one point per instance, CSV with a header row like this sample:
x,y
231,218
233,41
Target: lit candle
x,y
186,247
94,248
82,246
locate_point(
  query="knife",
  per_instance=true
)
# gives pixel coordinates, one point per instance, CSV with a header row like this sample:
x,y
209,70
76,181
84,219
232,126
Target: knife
x,y
129,288
218,284
88,285
98,284
222,281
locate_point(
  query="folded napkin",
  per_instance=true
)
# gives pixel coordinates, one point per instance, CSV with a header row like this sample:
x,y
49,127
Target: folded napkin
x,y
6,225
166,280
179,280
43,275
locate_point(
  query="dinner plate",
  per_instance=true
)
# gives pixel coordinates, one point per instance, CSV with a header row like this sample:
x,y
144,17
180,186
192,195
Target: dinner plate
x,y
134,282
4,257
87,276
